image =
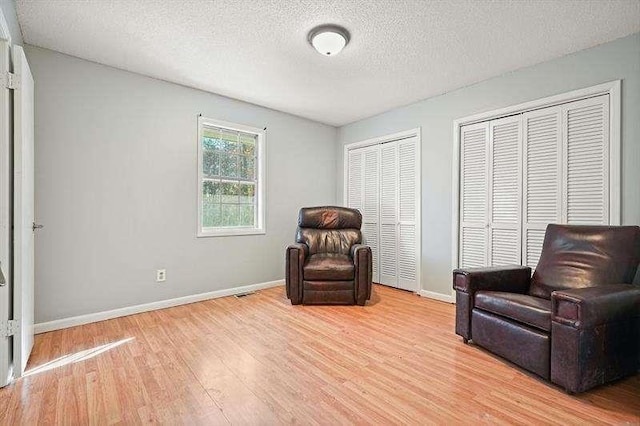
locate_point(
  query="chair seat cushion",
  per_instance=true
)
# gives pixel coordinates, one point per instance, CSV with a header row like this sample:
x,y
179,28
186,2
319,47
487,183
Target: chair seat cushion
x,y
329,267
530,310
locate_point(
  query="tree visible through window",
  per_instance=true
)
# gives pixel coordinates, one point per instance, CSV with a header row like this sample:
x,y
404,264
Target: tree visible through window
x,y
229,178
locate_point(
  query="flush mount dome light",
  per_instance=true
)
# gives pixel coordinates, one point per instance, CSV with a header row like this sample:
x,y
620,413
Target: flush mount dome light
x,y
328,40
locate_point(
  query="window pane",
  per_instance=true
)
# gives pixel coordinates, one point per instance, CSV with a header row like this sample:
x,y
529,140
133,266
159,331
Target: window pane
x,y
228,192
229,215
228,165
246,216
210,162
211,143
210,212
229,141
210,132
247,193
247,145
246,167
208,188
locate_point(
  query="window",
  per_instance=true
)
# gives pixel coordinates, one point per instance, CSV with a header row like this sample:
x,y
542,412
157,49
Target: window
x,y
230,179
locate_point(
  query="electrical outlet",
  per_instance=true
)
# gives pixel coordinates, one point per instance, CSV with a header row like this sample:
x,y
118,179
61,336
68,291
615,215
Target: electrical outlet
x,y
161,275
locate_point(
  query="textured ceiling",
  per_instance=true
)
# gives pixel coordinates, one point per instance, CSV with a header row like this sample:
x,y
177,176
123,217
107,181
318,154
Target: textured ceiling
x,y
401,51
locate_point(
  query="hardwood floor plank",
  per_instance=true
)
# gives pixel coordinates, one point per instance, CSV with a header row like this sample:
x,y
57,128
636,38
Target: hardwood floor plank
x,y
260,360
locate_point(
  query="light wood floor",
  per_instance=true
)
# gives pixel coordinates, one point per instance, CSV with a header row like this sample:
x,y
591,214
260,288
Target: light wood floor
x,y
259,360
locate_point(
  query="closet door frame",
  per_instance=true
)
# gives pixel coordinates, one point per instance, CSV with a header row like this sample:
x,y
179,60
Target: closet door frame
x,y
406,134
611,88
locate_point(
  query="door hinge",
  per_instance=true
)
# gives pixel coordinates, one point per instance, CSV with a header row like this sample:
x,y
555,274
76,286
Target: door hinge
x,y
9,327
11,81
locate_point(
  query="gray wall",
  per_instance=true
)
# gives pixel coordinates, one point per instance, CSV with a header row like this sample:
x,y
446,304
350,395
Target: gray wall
x,y
619,59
116,188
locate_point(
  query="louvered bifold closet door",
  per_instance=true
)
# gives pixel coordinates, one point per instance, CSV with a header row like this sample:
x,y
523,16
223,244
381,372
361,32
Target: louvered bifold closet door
x,y
389,214
408,199
474,147
504,191
371,203
542,178
586,161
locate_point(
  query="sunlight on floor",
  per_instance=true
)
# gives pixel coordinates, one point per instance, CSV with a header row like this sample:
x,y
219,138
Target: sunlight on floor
x,y
76,357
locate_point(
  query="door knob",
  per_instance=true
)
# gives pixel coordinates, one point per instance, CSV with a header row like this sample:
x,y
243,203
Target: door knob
x,y
37,226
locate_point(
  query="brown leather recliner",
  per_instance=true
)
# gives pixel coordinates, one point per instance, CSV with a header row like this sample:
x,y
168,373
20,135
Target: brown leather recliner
x,y
328,264
576,322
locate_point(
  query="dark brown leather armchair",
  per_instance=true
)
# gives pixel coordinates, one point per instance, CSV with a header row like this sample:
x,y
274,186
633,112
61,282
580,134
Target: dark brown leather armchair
x,y
576,322
328,264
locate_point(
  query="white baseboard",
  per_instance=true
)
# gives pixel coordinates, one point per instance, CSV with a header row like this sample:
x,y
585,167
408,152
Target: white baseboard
x,y
59,324
437,296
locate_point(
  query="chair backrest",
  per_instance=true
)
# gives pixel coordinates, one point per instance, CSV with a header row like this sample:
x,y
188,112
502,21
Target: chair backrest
x,y
329,229
586,256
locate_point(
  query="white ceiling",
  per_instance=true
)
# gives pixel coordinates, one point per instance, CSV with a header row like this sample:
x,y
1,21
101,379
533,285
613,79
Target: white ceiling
x,y
401,51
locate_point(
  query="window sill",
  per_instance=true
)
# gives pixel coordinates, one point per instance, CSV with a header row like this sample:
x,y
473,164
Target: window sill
x,y
230,232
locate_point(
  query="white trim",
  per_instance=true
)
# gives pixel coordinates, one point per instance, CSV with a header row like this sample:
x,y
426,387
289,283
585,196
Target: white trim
x,y
59,324
229,232
455,202
437,296
611,88
418,196
261,134
6,161
615,156
405,134
562,98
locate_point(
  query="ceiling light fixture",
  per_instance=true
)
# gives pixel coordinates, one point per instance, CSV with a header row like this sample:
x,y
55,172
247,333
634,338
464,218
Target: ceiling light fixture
x,y
328,40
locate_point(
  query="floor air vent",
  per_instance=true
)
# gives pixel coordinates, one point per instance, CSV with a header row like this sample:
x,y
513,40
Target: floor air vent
x,y
249,293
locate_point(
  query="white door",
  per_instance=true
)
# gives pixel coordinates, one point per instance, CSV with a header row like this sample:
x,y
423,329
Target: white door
x,y
408,213
371,203
389,214
542,177
354,179
23,198
383,181
5,226
474,223
504,191
586,162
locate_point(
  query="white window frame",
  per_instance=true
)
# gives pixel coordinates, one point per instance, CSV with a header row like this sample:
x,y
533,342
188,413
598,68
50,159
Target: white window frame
x,y
611,88
261,135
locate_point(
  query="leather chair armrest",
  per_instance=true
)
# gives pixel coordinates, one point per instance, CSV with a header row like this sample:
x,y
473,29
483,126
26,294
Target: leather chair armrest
x,y
295,258
514,279
588,307
356,247
363,262
299,246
